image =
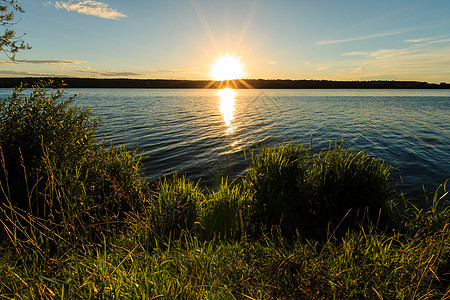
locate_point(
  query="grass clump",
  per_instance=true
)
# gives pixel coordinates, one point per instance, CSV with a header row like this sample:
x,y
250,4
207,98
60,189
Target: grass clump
x,y
226,212
35,128
57,182
175,204
301,224
276,183
297,187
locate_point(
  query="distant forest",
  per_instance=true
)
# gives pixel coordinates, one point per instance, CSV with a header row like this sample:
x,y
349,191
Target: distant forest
x,y
239,84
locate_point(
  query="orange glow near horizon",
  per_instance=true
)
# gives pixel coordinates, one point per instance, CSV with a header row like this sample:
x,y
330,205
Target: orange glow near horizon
x,y
227,68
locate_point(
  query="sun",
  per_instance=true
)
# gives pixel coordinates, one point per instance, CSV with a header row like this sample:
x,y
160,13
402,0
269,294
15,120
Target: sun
x,y
227,68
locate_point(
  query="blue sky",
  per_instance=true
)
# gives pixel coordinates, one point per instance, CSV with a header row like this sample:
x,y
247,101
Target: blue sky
x,y
180,39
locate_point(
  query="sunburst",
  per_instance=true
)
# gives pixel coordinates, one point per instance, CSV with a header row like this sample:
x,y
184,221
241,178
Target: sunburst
x,y
227,68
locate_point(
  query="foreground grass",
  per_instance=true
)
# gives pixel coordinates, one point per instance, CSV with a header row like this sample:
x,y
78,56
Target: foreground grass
x,y
79,221
361,265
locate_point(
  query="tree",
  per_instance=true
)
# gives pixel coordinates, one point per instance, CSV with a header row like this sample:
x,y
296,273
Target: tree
x,y
10,44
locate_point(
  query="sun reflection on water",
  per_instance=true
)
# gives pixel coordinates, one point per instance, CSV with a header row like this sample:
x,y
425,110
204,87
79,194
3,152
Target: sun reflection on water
x,y
227,105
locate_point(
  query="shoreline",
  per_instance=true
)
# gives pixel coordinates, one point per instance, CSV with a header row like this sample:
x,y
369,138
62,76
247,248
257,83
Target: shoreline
x,y
69,82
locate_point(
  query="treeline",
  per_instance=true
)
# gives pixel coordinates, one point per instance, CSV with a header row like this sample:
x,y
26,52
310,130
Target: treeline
x,y
239,84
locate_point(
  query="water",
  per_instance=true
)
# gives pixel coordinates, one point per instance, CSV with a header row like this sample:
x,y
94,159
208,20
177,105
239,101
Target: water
x,y
204,132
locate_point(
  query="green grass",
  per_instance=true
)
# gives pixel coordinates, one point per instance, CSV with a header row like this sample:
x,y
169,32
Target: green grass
x,y
303,223
364,264
300,188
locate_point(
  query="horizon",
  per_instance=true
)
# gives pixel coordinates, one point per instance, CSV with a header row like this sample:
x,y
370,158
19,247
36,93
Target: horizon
x,y
181,40
216,81
85,82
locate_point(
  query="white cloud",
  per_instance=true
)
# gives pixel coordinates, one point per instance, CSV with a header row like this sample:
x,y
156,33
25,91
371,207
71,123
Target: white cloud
x,y
382,53
272,62
354,70
364,37
429,40
88,70
426,58
428,63
322,68
389,53
91,7
84,71
418,40
49,62
356,53
178,71
439,41
14,73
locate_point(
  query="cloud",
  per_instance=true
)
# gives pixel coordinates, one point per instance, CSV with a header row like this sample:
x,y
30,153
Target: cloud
x,y
424,58
414,54
354,70
178,71
108,74
181,73
381,53
413,58
364,37
439,41
272,62
92,8
427,62
429,41
172,71
388,53
50,62
418,40
322,68
356,53
14,73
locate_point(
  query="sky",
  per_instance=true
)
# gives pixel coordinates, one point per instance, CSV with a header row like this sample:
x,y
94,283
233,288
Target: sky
x,y
273,39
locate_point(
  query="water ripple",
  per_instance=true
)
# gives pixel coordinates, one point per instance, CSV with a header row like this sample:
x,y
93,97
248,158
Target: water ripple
x,y
184,129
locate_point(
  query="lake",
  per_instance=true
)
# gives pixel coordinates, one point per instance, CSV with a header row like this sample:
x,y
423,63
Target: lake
x,y
204,132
